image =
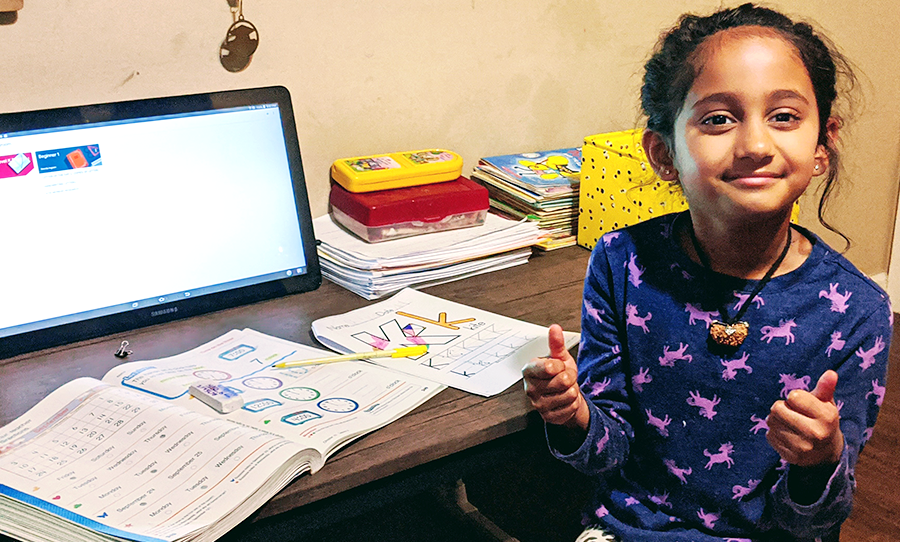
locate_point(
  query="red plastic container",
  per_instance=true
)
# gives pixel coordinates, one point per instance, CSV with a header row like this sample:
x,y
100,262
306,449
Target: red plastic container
x,y
403,212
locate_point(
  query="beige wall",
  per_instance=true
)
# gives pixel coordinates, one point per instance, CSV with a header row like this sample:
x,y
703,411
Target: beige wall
x,y
479,77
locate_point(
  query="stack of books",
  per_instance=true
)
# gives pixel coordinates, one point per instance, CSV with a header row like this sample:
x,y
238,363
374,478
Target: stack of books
x,y
542,185
373,270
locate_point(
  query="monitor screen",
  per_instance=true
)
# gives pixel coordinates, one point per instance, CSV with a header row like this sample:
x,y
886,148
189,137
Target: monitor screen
x,y
120,215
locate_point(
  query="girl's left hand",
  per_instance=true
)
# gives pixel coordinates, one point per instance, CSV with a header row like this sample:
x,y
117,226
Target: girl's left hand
x,y
805,428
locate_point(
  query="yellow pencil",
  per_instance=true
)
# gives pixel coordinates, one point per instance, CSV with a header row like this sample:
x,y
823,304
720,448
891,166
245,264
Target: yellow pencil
x,y
408,351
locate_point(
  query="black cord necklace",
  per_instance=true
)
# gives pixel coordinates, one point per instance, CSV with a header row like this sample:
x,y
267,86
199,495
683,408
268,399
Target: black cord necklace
x,y
731,332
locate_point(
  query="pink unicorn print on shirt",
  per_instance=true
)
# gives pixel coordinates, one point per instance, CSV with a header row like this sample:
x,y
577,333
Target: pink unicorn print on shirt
x,y
599,387
782,330
669,357
661,500
679,473
601,444
743,298
733,365
709,519
868,356
722,456
660,424
707,406
739,491
634,271
643,377
877,391
759,424
696,313
633,319
610,237
836,343
791,382
592,312
838,301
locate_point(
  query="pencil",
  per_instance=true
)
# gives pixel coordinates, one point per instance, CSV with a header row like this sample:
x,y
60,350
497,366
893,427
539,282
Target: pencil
x,y
407,351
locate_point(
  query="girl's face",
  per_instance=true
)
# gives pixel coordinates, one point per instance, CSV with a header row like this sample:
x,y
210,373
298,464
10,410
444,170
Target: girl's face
x,y
745,141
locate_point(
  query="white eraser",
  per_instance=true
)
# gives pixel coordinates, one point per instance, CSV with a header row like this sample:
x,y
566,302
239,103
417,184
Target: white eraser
x,y
221,398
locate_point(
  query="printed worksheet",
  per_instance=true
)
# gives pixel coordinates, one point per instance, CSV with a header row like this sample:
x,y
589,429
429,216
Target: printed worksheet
x,y
118,462
468,348
319,406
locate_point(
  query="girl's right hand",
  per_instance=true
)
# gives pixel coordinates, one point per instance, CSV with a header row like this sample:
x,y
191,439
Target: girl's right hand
x,y
551,385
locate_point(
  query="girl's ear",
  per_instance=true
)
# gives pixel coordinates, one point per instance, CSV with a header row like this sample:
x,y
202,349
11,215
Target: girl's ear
x,y
659,156
832,132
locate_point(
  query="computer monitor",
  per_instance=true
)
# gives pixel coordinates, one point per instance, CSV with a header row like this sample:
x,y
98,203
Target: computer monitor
x,y
120,215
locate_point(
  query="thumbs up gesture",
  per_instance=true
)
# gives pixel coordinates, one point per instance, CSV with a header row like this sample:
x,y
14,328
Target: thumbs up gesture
x,y
551,385
805,428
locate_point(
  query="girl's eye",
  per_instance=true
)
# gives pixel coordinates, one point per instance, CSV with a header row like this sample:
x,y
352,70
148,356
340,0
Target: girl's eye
x,y
783,117
716,120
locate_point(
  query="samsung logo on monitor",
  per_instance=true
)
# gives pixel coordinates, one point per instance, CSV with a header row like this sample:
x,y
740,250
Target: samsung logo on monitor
x,y
161,312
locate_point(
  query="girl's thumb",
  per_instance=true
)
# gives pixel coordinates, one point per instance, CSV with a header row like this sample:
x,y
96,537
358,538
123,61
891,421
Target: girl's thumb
x,y
825,387
557,342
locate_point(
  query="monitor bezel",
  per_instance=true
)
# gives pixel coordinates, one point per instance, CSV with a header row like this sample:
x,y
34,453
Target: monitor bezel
x,y
177,309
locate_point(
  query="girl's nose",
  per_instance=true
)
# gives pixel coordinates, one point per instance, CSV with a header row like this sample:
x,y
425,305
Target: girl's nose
x,y
754,141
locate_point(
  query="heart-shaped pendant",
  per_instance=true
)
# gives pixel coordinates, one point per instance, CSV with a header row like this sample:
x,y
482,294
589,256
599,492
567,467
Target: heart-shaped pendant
x,y
728,334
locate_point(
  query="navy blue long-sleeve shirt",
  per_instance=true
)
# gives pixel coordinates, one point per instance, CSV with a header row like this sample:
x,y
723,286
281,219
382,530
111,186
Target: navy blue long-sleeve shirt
x,y
677,436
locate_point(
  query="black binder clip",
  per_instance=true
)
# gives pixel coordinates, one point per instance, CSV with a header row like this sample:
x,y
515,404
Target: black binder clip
x,y
121,353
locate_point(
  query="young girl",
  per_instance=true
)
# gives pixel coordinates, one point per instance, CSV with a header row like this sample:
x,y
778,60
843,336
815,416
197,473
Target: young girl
x,y
732,364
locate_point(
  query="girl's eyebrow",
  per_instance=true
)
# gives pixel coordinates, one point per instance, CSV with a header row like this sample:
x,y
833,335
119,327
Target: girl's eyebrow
x,y
726,98
732,100
788,94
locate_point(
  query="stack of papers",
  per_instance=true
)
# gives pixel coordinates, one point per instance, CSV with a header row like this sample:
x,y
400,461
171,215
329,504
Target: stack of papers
x,y
543,185
375,270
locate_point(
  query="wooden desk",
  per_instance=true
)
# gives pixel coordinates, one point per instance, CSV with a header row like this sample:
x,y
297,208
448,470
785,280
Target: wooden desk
x,y
546,290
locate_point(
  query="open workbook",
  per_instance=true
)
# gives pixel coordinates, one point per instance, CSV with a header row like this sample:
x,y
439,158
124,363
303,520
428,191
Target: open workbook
x,y
136,457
